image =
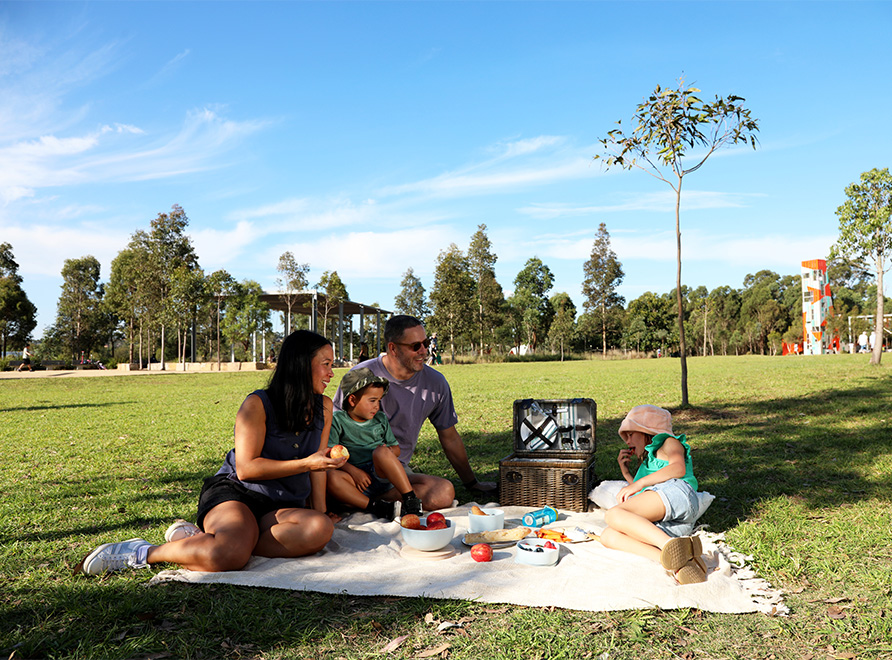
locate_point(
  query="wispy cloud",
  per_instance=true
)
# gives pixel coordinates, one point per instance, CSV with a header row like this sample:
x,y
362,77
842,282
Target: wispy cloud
x,y
120,152
520,163
660,202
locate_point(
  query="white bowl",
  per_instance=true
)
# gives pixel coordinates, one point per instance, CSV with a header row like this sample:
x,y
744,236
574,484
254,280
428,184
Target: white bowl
x,y
526,553
493,520
429,539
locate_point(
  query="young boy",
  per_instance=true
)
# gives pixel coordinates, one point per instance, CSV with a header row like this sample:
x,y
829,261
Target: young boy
x,y
373,466
655,513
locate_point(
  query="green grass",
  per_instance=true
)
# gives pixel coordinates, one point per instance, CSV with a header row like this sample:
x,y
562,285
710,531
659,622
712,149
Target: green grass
x,y
796,450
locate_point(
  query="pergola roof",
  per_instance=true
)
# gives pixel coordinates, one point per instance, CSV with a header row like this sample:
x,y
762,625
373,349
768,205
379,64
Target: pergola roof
x,y
304,304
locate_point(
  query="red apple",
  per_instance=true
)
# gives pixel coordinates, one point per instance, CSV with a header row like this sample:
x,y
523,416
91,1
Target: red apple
x,y
411,521
437,524
481,552
435,517
339,451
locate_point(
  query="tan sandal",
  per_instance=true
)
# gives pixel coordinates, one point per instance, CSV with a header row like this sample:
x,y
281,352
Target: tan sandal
x,y
679,551
692,573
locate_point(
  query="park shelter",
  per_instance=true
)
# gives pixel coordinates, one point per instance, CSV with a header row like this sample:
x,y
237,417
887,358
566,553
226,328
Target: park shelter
x,y
313,303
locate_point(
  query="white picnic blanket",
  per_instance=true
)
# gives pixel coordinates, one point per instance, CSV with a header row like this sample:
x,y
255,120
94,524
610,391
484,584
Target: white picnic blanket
x,y
363,559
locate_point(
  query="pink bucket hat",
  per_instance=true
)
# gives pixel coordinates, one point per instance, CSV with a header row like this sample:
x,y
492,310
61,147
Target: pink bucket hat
x,y
648,419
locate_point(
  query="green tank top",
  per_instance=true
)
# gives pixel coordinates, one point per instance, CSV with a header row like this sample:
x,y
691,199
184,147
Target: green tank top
x,y
651,463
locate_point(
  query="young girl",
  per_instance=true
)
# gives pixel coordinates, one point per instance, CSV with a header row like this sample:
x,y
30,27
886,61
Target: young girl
x,y
655,513
268,498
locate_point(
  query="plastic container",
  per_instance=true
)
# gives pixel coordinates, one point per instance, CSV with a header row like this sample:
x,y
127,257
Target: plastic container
x,y
526,553
540,517
493,520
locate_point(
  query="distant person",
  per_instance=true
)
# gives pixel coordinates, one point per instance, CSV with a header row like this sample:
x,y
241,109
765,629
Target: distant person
x,y
373,467
434,351
26,359
655,513
363,352
862,342
268,498
417,393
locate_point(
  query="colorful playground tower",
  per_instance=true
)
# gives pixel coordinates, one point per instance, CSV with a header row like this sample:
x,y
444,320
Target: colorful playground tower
x,y
817,306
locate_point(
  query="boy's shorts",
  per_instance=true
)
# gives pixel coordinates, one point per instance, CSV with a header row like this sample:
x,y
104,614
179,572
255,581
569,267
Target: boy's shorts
x,y
681,505
377,486
220,488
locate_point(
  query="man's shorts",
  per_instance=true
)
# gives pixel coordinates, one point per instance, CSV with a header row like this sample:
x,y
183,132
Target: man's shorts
x,y
681,505
220,488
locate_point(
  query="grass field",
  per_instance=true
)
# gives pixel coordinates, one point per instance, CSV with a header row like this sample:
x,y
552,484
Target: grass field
x,y
797,451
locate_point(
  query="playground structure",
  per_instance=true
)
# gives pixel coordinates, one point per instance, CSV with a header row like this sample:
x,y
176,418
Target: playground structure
x,y
817,307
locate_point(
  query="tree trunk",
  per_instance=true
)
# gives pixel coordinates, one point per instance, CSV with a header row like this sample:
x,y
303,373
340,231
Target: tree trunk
x,y
678,297
877,354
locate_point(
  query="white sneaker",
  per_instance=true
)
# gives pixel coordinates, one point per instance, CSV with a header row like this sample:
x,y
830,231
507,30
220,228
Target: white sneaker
x,y
112,557
180,529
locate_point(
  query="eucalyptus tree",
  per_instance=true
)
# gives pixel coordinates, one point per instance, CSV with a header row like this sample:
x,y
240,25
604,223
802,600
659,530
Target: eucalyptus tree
x,y
603,273
246,314
335,294
489,297
563,327
80,322
291,281
18,315
668,124
411,299
531,287
865,235
452,296
724,305
762,310
649,317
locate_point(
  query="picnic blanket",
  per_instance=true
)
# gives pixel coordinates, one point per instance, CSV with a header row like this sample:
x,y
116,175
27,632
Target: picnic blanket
x,y
363,559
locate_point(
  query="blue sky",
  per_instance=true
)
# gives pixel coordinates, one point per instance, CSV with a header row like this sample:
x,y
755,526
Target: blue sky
x,y
366,137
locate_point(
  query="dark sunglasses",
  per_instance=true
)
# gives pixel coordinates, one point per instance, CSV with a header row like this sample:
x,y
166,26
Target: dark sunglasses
x,y
415,346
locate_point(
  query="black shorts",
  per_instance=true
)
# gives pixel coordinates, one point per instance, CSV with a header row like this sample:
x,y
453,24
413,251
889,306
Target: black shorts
x,y
220,488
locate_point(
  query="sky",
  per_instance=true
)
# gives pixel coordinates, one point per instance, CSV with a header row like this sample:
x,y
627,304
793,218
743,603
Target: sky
x,y
366,137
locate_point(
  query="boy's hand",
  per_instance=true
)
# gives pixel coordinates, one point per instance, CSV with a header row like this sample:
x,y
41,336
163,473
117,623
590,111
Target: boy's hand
x,y
361,478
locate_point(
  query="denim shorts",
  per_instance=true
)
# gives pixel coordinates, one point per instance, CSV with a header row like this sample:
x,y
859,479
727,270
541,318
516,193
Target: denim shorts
x,y
378,486
681,505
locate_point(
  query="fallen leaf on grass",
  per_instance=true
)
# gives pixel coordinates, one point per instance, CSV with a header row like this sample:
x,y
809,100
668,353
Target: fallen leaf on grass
x,y
394,644
437,650
446,625
429,618
835,612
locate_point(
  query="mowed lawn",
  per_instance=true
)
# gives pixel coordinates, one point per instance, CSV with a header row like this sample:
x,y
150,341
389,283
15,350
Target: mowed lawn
x,y
797,451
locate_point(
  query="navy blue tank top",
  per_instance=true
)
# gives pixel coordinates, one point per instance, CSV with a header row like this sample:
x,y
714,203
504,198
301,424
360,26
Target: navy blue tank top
x,y
281,446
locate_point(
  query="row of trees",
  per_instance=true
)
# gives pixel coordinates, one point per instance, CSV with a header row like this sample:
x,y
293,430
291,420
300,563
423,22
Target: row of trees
x,y
157,300
470,314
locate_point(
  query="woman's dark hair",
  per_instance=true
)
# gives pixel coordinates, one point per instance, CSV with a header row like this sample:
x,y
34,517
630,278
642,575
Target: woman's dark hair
x,y
290,388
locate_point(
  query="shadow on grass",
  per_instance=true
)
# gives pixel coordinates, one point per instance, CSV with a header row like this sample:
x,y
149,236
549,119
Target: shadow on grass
x,y
108,404
822,450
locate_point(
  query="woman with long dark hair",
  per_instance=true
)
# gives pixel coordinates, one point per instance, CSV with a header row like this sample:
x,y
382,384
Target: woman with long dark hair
x,y
268,498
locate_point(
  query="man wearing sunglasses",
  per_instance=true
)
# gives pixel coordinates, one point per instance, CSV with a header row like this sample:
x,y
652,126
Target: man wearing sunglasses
x,y
417,392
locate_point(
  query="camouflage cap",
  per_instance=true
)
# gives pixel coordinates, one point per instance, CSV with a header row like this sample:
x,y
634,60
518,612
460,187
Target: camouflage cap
x,y
355,379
